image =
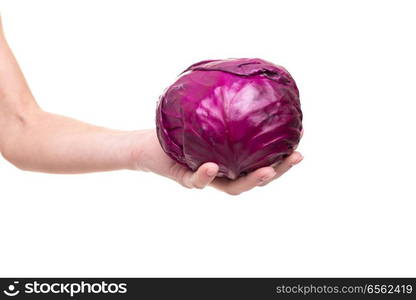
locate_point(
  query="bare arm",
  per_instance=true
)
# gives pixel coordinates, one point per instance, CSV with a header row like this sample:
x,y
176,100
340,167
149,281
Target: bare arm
x,y
40,141
35,140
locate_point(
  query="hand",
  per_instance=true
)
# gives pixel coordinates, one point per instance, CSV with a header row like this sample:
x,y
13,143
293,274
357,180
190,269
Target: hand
x,y
35,140
151,157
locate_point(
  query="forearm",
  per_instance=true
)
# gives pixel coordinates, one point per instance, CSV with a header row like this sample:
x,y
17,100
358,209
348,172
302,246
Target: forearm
x,y
45,142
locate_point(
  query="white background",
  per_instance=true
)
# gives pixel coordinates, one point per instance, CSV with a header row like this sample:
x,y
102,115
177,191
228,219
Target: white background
x,y
347,210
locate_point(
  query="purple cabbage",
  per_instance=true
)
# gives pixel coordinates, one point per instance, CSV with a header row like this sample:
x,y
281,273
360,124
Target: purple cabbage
x,y
242,114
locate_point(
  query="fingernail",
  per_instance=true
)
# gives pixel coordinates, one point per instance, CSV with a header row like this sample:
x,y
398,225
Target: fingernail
x,y
211,172
298,160
267,177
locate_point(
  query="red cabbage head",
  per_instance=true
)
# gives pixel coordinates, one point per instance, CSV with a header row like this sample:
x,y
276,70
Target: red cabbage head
x,y
242,114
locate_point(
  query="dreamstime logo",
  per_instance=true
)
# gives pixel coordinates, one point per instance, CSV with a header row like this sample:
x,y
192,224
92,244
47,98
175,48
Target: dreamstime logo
x,y
11,290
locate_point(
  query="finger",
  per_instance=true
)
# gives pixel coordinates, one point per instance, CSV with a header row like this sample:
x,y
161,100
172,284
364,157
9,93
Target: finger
x,y
201,177
245,183
285,166
287,163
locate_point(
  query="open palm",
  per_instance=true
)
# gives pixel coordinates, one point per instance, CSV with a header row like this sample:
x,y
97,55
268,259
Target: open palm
x,y
154,159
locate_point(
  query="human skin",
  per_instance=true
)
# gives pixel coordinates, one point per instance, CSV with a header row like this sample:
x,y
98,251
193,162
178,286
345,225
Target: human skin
x,y
35,140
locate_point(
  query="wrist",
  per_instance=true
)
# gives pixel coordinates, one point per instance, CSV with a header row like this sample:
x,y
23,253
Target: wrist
x,y
137,149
